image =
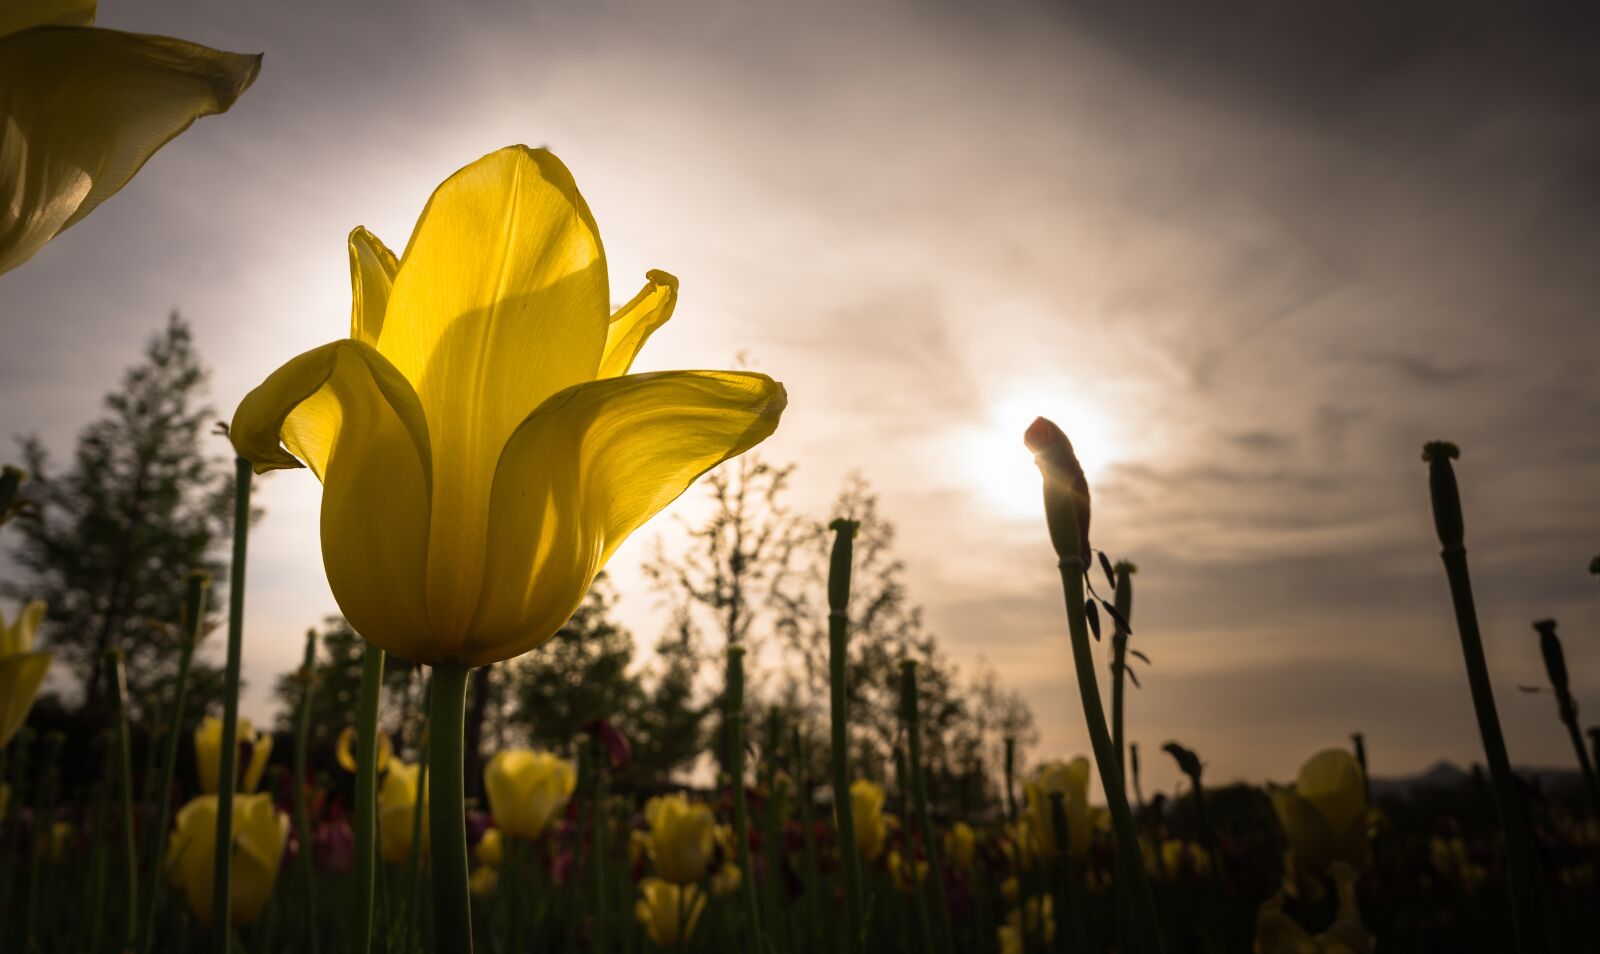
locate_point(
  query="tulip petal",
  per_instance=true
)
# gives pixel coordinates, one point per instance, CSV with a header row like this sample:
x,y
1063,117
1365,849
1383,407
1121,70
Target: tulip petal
x,y
635,322
354,419
1331,782
20,14
583,472
372,271
83,109
501,301
20,677
18,637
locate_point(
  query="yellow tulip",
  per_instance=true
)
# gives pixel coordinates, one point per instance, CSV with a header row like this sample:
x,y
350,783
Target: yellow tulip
x,y
682,837
397,807
904,874
483,881
1325,815
345,750
1021,844
1037,918
22,670
260,832
961,846
668,912
1278,933
491,848
872,830
482,448
727,880
83,108
208,754
1071,779
527,790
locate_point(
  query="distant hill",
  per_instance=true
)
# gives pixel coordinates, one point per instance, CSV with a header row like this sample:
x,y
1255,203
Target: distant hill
x,y
1446,774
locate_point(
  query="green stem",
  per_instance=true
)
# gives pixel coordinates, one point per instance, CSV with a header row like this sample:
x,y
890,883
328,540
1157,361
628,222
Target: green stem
x,y
194,610
1584,763
813,867
1529,907
602,926
919,787
119,699
452,904
1147,935
1011,772
741,821
838,648
367,791
302,817
222,868
415,862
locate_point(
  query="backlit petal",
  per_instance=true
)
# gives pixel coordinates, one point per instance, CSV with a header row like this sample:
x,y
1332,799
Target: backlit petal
x,y
501,301
588,468
345,411
20,14
20,677
18,637
635,322
372,271
83,109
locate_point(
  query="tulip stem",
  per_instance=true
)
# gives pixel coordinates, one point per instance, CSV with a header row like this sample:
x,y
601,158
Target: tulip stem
x,y
601,822
452,904
919,788
1529,907
838,648
124,767
414,900
741,821
222,866
367,791
813,885
1147,931
302,818
194,610
1011,771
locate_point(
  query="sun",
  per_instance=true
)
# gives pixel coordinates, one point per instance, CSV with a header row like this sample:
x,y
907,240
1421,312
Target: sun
x,y
1002,470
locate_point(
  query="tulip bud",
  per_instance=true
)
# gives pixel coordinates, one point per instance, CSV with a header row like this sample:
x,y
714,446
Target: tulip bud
x,y
1447,517
1555,665
1188,762
1066,490
839,563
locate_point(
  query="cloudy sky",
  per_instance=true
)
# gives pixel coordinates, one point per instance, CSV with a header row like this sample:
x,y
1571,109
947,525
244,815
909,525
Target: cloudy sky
x,y
1250,262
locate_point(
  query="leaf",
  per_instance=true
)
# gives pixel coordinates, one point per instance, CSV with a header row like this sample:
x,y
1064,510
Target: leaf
x,y
1135,652
1094,618
1105,566
1134,677
1116,617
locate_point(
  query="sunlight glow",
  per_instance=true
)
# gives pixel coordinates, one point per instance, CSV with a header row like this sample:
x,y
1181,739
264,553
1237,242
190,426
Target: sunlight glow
x,y
1002,469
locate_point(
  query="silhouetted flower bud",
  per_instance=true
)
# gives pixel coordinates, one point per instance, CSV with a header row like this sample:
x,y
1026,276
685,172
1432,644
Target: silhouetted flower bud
x,y
1188,762
1446,497
1066,491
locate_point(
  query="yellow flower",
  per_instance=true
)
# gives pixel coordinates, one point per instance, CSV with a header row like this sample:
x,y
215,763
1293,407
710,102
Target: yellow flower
x,y
254,749
483,881
491,849
872,829
1452,862
527,789
345,750
84,108
22,670
1020,844
682,837
905,875
1278,933
259,834
1071,779
482,448
668,912
397,806
1037,918
961,845
1325,815
727,880
1179,857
